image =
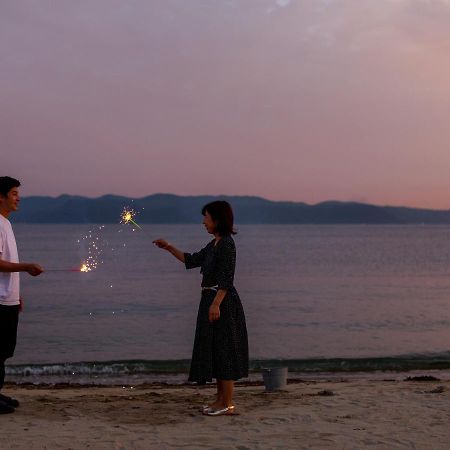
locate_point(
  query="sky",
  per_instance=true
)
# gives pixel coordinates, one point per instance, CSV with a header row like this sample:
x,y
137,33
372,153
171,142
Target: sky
x,y
302,100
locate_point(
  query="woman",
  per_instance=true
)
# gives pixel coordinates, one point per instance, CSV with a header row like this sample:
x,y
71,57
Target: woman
x,y
220,346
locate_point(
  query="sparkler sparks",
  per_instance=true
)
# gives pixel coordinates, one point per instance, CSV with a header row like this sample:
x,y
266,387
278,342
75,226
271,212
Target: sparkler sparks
x,y
127,217
85,268
95,246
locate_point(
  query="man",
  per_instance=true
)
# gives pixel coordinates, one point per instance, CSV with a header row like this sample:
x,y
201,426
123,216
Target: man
x,y
10,300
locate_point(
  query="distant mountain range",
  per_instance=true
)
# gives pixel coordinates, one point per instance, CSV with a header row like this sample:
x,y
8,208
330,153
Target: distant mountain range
x,y
168,208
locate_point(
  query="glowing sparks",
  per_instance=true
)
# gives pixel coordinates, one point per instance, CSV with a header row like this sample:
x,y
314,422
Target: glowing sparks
x,y
127,217
91,262
85,268
95,245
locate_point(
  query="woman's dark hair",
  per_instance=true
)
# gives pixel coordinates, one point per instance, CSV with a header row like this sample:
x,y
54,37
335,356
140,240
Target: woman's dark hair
x,y
6,184
221,212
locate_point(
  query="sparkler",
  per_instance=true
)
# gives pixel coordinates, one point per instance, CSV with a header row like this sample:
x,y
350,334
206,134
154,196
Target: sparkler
x,y
127,217
85,267
63,270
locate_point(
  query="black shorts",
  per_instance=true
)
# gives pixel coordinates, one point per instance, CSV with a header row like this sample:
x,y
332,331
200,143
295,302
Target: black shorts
x,y
9,318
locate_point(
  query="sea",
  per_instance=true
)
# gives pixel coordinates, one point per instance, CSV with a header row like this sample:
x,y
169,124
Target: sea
x,y
323,300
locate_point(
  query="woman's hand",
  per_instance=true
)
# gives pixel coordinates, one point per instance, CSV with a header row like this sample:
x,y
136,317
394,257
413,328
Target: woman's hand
x,y
161,243
214,312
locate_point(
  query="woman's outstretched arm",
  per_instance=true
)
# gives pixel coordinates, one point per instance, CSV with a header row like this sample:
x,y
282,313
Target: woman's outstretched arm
x,y
161,243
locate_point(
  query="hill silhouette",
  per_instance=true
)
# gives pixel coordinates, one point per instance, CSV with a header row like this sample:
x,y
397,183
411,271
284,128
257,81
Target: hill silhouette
x,y
169,208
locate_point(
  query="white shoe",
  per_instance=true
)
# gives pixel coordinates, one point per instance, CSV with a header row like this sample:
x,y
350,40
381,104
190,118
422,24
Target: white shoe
x,y
219,412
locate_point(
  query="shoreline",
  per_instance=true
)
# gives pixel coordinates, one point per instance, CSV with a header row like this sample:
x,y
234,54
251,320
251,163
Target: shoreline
x,y
180,380
239,384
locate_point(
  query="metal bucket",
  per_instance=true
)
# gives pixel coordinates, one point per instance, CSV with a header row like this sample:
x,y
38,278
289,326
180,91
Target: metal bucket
x,y
275,379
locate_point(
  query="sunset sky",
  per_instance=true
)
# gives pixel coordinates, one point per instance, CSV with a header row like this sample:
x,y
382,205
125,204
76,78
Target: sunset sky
x,y
304,100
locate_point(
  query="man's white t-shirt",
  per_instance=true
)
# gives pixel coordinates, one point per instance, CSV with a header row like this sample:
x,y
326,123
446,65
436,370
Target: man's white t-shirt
x,y
9,281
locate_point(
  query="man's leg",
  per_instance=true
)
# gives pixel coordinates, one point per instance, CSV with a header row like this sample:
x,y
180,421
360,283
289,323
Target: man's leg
x,y
2,373
9,319
7,404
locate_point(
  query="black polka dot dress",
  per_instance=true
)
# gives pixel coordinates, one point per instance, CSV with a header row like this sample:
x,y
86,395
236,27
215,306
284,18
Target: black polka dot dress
x,y
221,347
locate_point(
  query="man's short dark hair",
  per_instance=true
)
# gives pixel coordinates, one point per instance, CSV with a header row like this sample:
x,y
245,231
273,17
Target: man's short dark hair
x,y
6,184
221,211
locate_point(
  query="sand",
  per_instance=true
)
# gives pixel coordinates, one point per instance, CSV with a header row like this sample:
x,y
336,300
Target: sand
x,y
358,414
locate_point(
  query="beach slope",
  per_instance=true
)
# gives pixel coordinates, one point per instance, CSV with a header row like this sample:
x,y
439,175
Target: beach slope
x,y
333,414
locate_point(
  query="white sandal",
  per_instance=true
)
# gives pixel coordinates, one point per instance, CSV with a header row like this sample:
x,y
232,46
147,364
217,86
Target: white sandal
x,y
219,412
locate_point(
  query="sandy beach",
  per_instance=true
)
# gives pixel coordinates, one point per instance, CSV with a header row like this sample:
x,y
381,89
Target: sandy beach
x,y
327,414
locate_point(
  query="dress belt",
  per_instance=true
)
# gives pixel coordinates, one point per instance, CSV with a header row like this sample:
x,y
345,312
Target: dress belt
x,y
210,288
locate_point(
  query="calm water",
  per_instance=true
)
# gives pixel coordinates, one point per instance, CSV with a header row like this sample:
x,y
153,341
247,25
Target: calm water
x,y
308,292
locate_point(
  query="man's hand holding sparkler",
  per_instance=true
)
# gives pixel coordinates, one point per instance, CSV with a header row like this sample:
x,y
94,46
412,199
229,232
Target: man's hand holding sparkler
x,y
33,269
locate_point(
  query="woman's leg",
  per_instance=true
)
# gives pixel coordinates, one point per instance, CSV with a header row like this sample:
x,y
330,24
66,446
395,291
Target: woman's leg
x,y
227,392
219,391
219,399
